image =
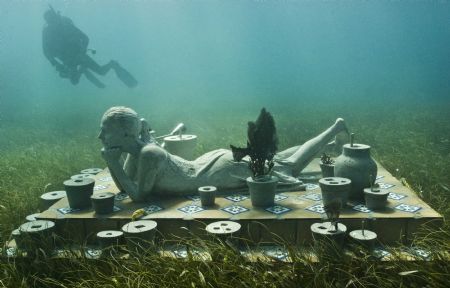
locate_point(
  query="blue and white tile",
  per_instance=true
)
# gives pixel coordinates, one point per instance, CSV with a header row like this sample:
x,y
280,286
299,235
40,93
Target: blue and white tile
x,y
106,179
67,210
310,186
194,198
396,196
121,196
379,177
361,208
100,187
280,197
11,252
419,252
275,252
236,198
191,209
408,208
385,185
152,209
278,209
318,208
380,253
313,196
235,209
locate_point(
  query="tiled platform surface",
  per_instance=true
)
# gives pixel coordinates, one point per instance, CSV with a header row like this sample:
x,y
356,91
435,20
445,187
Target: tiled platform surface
x,y
289,220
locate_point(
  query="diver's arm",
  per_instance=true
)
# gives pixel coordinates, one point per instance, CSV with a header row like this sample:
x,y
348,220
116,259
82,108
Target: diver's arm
x,y
45,47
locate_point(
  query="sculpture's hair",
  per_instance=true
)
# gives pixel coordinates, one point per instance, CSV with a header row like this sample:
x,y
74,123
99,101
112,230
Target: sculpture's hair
x,y
125,117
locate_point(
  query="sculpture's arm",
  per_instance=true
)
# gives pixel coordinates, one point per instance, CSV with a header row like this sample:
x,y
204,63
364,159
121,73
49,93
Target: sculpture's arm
x,y
150,163
122,180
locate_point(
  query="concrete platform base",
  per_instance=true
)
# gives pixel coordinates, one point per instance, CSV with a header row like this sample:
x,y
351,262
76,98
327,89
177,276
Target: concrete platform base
x,y
288,221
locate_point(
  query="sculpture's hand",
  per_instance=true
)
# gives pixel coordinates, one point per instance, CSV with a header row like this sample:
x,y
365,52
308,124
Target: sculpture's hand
x,y
111,154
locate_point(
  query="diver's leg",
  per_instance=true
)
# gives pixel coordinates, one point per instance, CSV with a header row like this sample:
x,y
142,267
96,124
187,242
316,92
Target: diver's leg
x,y
306,152
75,75
93,79
90,64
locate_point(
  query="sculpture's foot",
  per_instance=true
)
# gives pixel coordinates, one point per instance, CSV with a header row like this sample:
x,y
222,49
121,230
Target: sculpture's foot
x,y
341,126
341,138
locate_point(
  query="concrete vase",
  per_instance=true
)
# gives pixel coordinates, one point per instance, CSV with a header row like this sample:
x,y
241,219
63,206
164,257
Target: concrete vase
x,y
356,164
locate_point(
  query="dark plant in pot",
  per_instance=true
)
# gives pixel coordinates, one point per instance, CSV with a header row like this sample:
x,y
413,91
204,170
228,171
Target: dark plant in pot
x,y
326,165
262,144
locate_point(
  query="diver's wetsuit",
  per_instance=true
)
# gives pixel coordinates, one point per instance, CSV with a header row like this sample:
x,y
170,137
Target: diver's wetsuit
x,y
65,46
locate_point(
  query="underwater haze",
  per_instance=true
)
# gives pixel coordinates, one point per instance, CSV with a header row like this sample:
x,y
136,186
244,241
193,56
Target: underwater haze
x,y
214,64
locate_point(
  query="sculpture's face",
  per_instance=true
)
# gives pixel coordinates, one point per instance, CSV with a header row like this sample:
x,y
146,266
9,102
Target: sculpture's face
x,y
111,135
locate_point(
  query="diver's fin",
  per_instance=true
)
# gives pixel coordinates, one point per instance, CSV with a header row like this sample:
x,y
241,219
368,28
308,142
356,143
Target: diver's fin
x,y
125,76
93,79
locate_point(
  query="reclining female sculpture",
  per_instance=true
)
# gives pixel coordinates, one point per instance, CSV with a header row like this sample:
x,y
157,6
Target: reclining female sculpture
x,y
149,170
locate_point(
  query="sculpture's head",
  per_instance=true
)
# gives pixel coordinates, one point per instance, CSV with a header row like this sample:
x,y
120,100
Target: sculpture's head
x,y
119,128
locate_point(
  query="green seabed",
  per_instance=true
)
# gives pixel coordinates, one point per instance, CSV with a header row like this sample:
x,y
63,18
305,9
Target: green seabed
x,y
410,139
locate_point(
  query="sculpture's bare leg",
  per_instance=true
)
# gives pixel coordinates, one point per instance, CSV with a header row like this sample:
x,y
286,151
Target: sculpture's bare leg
x,y
306,152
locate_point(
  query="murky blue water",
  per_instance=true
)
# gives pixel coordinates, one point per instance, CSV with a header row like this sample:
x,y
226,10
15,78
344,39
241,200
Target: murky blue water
x,y
199,58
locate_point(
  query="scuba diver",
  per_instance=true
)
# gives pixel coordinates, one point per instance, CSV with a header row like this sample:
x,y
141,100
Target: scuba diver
x,y
66,47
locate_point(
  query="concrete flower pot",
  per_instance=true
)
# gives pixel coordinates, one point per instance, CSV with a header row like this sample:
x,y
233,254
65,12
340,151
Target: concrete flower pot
x,y
140,235
207,195
328,241
335,188
79,192
365,238
37,236
109,241
327,170
262,190
103,203
50,198
375,198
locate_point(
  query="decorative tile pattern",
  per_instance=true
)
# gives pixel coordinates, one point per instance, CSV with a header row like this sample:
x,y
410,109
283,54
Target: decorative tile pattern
x,y
280,197
92,253
275,252
310,186
278,209
193,197
385,185
416,251
100,187
106,179
362,208
191,209
180,252
152,209
380,253
396,196
236,198
318,208
407,208
121,196
11,252
67,210
313,196
235,209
